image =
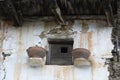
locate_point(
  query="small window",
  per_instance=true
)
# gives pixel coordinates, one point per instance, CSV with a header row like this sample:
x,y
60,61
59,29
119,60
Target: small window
x,y
64,49
60,52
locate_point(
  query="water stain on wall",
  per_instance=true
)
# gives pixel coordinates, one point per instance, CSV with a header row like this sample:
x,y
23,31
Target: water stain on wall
x,y
84,27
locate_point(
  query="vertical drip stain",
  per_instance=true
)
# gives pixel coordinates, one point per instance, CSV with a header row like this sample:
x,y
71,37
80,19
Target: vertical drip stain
x,y
3,27
93,66
18,62
81,40
90,41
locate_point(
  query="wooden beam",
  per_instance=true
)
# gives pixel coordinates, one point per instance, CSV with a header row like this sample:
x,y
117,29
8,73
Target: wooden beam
x,y
108,12
57,12
77,17
10,12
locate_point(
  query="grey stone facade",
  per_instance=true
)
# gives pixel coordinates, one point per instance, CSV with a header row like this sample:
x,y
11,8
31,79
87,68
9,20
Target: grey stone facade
x,y
114,65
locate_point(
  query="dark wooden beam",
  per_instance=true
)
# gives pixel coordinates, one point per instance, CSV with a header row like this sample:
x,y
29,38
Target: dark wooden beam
x,y
57,12
108,12
78,17
10,12
75,9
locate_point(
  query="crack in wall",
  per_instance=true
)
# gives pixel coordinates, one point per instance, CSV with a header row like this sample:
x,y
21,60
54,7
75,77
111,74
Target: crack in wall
x,y
2,67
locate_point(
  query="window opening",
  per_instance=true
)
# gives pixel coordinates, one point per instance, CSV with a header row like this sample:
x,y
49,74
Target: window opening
x,y
60,52
64,49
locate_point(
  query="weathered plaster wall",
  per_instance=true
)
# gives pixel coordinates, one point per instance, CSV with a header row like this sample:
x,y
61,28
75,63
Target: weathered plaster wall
x,y
94,35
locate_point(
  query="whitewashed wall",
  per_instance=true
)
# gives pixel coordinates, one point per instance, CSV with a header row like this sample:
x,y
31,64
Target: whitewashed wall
x,y
94,35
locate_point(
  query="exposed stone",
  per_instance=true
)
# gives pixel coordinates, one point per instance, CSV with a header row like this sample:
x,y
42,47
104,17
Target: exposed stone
x,y
114,65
